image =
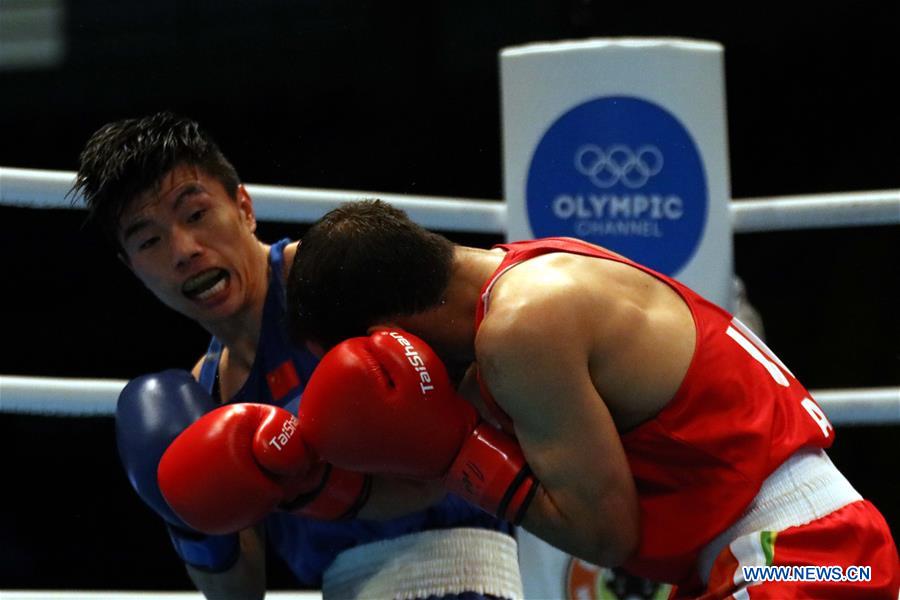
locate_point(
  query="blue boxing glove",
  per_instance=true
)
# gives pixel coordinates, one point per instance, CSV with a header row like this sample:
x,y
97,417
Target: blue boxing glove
x,y
151,412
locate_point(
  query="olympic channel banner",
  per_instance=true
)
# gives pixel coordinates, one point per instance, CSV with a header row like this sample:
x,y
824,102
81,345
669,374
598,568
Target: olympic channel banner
x,y
622,143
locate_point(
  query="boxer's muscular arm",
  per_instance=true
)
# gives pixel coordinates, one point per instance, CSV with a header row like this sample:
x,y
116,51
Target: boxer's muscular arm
x,y
534,359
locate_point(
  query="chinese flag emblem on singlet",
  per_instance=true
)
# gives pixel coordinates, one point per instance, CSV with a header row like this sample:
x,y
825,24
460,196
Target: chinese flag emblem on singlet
x,y
282,379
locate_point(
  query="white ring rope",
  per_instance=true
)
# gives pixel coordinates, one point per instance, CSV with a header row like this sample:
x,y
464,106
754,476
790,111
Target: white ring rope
x,y
59,395
34,188
851,209
97,397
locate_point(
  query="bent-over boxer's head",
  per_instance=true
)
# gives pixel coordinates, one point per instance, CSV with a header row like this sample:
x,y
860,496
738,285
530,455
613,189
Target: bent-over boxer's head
x,y
161,190
360,264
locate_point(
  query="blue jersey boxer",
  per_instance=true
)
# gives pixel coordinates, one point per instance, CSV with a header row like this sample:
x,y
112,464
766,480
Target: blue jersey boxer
x,y
278,375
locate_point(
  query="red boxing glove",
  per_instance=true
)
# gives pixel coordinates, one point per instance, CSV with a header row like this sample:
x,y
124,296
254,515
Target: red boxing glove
x,y
384,404
236,464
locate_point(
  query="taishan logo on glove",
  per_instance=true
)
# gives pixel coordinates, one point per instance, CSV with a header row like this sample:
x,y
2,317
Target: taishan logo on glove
x,y
288,429
418,363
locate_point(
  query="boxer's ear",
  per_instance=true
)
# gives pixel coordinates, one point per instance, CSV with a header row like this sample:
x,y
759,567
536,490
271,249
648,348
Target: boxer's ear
x,y
245,206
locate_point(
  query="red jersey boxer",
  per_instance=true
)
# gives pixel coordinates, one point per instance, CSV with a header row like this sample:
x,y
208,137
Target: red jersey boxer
x,y
664,436
706,456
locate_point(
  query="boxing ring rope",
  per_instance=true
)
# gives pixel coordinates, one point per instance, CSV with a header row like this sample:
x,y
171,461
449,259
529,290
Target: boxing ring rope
x,y
32,188
97,397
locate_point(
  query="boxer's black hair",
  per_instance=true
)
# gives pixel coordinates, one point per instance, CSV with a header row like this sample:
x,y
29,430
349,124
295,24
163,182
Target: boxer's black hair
x,y
123,159
361,263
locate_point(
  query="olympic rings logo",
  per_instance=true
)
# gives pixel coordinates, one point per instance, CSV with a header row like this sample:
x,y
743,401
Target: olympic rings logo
x,y
618,164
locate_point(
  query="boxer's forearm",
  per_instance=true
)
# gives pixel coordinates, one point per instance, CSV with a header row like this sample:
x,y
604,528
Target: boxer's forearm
x,y
245,580
605,534
392,497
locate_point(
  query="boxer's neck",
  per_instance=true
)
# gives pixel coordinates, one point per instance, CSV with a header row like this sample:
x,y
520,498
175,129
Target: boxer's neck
x,y
450,327
240,332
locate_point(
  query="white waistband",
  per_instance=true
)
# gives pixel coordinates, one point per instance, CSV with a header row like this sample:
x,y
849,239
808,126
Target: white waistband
x,y
429,563
806,487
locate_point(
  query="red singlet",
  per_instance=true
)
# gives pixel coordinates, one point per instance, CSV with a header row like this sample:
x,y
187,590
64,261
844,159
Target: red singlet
x,y
737,416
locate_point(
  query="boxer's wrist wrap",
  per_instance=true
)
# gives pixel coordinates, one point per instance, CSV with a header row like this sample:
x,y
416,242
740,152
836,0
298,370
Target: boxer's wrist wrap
x,y
491,473
211,553
340,495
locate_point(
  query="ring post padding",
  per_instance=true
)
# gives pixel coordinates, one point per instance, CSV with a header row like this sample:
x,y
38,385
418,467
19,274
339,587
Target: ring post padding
x,y
620,142
623,143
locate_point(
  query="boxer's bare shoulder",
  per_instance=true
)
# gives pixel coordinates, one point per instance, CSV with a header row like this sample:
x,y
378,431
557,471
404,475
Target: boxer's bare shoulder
x,y
632,331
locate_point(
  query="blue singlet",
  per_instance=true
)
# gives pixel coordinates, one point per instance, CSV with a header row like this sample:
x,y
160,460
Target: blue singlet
x,y
277,377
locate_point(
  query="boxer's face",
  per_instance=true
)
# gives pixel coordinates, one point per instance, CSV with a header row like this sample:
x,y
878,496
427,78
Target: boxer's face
x,y
193,245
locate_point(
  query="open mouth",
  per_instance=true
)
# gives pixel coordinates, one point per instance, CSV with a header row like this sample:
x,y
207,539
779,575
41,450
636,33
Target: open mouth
x,y
206,284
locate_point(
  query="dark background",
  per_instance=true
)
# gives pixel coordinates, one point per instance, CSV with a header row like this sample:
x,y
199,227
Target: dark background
x,y
404,97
